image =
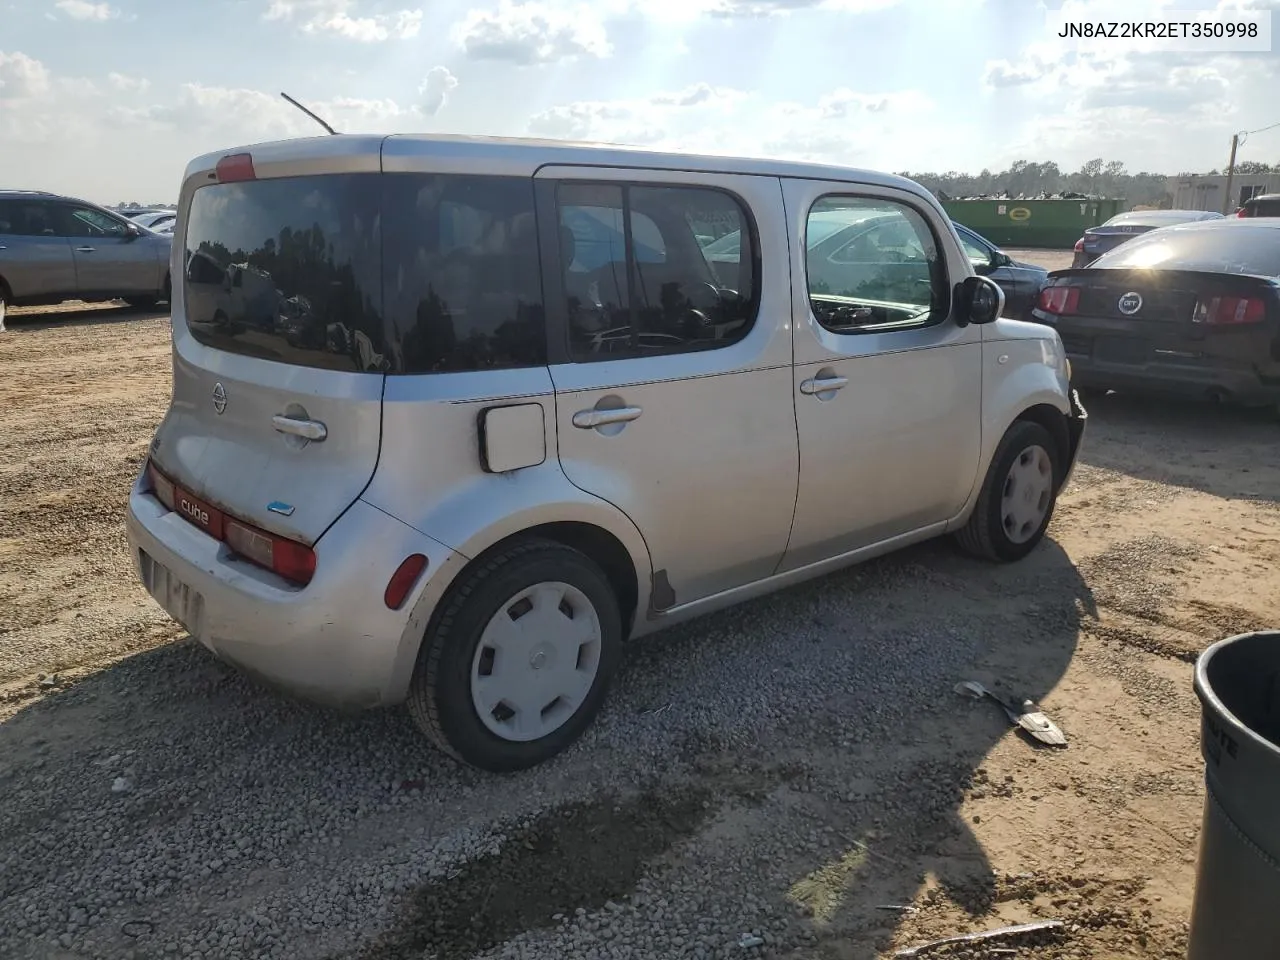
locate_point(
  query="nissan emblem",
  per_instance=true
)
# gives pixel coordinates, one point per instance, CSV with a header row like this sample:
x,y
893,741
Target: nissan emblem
x,y
219,398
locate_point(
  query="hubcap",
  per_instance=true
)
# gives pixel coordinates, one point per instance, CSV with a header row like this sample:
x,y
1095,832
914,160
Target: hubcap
x,y
1028,489
536,661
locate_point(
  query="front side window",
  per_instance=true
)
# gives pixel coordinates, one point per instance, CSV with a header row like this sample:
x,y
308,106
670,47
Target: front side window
x,y
643,272
461,273
978,255
87,222
873,265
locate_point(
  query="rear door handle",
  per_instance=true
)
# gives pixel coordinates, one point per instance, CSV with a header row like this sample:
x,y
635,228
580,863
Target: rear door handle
x,y
822,384
311,429
84,249
590,419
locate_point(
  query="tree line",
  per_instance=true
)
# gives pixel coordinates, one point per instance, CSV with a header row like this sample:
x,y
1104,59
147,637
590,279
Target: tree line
x,y
1097,177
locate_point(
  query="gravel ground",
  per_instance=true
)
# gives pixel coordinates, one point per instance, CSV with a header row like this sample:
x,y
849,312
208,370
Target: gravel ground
x,y
762,783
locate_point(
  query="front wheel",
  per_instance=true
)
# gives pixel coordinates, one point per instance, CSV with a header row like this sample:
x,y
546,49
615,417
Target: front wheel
x,y
1017,498
518,661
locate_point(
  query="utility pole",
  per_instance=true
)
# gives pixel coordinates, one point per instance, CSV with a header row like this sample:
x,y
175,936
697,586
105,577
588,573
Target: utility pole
x,y
1231,173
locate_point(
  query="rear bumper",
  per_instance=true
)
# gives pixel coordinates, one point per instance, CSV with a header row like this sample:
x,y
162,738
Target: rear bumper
x,y
1210,378
334,641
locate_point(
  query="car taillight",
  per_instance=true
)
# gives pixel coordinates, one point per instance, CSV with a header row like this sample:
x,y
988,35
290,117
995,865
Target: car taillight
x,y
1059,300
1242,212
1228,311
235,167
291,560
161,486
1079,247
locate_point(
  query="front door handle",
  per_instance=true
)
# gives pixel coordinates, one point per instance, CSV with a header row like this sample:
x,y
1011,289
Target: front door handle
x,y
590,419
311,429
816,385
84,249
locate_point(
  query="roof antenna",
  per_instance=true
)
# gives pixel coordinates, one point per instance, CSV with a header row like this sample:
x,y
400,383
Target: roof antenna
x,y
308,113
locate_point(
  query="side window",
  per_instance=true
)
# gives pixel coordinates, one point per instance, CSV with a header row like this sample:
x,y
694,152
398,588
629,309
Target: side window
x,y
676,293
978,255
873,265
462,281
86,222
26,218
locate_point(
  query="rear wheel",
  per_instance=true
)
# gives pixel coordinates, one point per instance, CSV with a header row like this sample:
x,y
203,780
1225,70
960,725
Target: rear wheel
x,y
519,659
1017,498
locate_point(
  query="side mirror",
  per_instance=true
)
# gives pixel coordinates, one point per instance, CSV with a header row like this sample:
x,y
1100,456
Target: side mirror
x,y
978,300
1001,259
132,231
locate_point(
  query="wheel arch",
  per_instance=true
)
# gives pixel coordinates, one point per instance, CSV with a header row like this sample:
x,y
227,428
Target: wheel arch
x,y
1055,421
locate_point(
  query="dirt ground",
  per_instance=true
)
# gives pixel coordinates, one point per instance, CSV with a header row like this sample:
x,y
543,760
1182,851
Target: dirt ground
x,y
1168,539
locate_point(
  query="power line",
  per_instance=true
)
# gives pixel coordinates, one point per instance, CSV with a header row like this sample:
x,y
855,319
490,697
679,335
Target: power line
x,y
1244,133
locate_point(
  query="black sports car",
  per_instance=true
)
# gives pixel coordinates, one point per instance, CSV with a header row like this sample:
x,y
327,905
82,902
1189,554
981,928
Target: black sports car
x,y
1192,309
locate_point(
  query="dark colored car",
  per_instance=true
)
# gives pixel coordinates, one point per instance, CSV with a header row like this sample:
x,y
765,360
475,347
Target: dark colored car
x,y
1263,205
1125,226
1021,282
834,256
1192,309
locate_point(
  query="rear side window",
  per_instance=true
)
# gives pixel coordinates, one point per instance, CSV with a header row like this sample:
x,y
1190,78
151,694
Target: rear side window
x,y
289,269
27,218
873,265
654,269
462,277
1232,247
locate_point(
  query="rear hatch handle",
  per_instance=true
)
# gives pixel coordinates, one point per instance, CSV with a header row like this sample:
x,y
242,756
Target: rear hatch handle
x,y
310,429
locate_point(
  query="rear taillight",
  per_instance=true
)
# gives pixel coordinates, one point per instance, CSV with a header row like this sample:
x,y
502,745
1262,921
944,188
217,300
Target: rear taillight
x,y
1229,311
1059,300
288,559
1079,247
235,167
161,486
1242,212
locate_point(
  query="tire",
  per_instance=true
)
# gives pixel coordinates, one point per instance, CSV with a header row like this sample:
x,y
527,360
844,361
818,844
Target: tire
x,y
449,676
4,303
994,533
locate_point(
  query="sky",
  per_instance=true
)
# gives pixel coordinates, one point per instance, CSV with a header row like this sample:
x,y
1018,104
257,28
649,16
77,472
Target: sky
x,y
109,100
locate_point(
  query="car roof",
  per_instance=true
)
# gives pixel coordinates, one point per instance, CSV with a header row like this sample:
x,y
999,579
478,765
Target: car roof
x,y
524,156
1175,216
6,194
1263,196
1223,223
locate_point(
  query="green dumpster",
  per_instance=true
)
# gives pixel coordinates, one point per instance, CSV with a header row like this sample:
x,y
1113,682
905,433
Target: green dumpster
x,y
1052,224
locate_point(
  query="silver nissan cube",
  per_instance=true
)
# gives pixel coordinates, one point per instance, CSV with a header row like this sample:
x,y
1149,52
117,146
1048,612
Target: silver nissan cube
x,y
453,418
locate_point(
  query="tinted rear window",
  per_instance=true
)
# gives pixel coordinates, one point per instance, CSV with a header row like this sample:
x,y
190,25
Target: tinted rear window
x,y
1230,248
288,270
396,273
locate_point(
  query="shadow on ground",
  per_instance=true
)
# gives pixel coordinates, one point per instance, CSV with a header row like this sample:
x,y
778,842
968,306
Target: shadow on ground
x,y
33,320
809,745
1221,449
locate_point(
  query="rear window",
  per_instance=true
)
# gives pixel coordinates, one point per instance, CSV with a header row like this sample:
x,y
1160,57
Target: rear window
x,y
1224,248
289,270
395,273
1269,207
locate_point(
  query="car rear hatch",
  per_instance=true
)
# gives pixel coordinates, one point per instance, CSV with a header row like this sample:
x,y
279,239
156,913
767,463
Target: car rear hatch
x,y
1142,316
278,374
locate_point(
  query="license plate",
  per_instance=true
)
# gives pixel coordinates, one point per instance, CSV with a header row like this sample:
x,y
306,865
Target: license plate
x,y
178,599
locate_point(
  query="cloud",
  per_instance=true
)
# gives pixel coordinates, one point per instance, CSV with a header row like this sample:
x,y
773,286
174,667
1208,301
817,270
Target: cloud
x,y
722,120
531,33
435,89
342,18
22,76
83,10
128,84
